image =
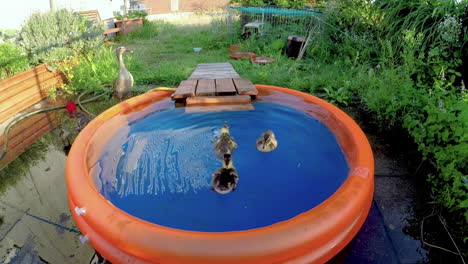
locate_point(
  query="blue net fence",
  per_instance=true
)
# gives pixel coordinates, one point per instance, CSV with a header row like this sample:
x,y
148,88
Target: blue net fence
x,y
273,21
269,23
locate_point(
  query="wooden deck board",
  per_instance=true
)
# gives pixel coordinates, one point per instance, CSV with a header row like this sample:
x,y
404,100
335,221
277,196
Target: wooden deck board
x,y
186,89
214,71
225,87
231,99
245,87
214,84
206,88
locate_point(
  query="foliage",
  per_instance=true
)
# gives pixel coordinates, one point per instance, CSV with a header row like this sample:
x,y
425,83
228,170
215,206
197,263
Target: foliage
x,y
298,4
15,170
148,31
131,15
8,34
412,52
56,35
11,60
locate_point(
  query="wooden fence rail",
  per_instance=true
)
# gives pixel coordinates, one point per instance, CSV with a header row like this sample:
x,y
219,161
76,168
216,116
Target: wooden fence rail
x,y
18,93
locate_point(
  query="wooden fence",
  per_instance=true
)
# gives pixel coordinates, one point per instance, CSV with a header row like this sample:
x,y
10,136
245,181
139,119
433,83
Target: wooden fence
x,y
18,93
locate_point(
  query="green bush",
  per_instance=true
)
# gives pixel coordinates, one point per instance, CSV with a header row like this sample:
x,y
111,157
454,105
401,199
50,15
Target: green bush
x,y
299,4
8,34
412,51
11,60
130,15
149,30
56,35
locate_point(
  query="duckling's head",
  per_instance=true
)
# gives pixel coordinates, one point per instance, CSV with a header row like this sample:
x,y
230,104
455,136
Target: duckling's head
x,y
268,134
225,129
121,50
227,161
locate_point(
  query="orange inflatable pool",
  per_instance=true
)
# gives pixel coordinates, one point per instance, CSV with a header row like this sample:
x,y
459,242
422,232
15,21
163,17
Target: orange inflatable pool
x,y
314,236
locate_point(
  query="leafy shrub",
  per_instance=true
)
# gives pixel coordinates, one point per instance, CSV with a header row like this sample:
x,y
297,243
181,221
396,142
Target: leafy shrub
x,y
56,35
413,54
11,60
130,15
148,30
8,34
299,4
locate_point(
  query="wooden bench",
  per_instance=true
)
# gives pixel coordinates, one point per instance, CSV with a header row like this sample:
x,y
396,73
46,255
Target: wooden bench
x,y
93,16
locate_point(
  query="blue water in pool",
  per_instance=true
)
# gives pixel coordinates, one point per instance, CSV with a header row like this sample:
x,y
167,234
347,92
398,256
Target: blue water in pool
x,y
161,171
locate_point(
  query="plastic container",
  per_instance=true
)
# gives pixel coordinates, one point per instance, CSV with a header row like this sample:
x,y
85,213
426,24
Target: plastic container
x,y
314,236
294,46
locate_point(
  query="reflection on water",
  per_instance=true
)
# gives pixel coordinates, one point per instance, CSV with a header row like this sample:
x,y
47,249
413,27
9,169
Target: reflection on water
x,y
154,163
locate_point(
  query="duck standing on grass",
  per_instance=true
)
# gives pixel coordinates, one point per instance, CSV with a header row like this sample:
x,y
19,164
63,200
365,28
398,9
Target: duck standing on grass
x,y
124,83
267,142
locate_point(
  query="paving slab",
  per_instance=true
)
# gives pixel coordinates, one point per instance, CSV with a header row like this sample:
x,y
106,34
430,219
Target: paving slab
x,y
37,225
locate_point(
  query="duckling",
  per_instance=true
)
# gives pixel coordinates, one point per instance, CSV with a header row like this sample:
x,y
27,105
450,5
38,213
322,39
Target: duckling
x,y
225,144
267,142
83,120
225,179
64,135
124,82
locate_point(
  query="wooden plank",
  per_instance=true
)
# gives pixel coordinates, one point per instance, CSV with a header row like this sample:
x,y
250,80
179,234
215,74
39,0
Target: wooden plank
x,y
18,99
245,87
23,125
20,148
208,71
206,88
232,99
39,84
28,101
29,130
26,98
112,30
4,84
213,76
215,64
218,108
225,87
186,89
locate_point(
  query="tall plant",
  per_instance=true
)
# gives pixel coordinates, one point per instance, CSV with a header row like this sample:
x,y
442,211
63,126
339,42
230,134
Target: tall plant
x,y
57,35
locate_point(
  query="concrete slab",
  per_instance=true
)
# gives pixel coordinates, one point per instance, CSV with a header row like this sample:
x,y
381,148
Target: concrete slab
x,y
37,225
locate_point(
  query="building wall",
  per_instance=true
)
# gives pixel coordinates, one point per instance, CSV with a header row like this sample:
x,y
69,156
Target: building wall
x,y
164,6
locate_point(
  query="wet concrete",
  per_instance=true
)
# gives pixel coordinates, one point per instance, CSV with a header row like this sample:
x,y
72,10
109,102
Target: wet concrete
x,y
37,225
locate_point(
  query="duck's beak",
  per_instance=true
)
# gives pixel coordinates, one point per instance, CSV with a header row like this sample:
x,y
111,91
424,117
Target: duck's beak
x,y
129,51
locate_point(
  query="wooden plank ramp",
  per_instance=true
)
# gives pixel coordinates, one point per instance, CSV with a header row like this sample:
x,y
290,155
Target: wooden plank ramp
x,y
215,83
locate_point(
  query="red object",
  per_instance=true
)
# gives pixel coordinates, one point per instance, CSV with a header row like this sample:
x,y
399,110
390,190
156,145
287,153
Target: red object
x,y
240,55
262,60
71,109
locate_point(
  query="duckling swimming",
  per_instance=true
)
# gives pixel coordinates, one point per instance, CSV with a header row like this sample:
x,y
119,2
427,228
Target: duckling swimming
x,y
225,144
225,179
267,142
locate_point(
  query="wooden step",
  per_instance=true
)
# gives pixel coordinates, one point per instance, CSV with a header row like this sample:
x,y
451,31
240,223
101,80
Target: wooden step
x,y
231,99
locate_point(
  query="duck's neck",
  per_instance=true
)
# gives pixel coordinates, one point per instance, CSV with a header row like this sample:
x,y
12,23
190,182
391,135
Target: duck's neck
x,y
121,63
